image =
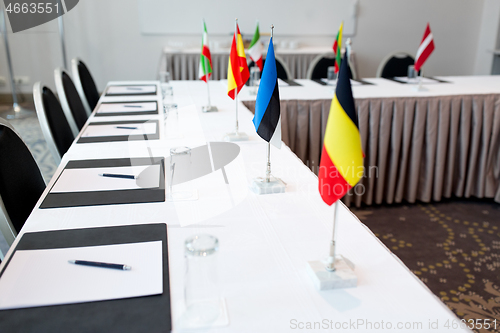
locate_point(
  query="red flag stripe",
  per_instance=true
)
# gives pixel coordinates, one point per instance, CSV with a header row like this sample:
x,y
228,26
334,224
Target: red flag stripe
x,y
425,49
332,186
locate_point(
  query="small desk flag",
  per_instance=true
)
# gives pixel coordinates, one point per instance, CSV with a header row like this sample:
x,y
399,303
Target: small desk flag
x,y
256,48
425,49
205,68
341,165
337,48
237,68
267,119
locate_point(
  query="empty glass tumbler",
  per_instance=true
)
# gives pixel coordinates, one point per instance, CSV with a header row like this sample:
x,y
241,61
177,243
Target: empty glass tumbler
x,y
201,290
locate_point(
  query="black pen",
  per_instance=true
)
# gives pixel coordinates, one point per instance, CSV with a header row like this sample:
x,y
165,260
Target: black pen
x,y
132,106
100,264
113,175
126,127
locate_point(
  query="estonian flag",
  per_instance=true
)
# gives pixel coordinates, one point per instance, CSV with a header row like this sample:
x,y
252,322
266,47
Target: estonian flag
x,y
341,165
267,119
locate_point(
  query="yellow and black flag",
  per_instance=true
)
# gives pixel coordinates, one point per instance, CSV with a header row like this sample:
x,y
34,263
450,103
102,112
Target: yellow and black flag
x,y
341,165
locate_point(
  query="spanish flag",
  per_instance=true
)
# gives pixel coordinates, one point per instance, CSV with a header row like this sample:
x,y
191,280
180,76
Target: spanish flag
x,y
341,165
237,69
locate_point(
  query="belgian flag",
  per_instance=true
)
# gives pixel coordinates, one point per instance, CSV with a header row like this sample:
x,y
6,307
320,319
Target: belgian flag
x,y
341,165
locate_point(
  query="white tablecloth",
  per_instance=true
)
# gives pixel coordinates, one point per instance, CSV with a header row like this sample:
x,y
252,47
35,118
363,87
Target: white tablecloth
x,y
265,241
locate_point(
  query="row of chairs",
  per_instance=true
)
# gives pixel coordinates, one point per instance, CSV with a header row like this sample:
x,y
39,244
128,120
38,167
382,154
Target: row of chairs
x,y
21,182
318,68
61,120
394,64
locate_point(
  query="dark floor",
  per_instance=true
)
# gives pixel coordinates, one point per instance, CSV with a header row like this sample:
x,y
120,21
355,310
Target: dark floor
x,y
452,246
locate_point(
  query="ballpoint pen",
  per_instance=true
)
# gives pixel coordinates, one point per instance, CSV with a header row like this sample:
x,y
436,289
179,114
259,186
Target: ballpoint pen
x,y
100,264
112,175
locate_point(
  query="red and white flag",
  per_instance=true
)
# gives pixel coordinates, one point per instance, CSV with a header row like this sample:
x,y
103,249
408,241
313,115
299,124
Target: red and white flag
x,y
425,49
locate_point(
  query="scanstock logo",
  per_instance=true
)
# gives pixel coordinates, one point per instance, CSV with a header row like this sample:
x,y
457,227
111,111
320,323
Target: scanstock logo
x,y
26,14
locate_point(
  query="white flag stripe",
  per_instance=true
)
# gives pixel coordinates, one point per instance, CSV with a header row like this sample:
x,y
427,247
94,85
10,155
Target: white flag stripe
x,y
276,138
424,45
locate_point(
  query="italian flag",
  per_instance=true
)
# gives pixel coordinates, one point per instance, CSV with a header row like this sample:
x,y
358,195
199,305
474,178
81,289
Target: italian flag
x,y
205,68
256,48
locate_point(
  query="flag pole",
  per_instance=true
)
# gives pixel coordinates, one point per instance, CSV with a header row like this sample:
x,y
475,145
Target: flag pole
x,y
330,263
268,171
236,92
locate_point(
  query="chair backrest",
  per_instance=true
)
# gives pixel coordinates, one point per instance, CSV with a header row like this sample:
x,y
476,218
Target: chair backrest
x,y
281,68
85,85
55,127
21,182
395,64
70,101
318,69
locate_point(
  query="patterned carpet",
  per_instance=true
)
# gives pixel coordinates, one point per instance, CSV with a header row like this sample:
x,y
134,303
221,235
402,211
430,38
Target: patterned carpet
x,y
453,247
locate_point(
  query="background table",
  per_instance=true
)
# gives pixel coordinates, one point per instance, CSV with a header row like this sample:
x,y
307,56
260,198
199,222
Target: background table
x,y
183,64
265,241
424,145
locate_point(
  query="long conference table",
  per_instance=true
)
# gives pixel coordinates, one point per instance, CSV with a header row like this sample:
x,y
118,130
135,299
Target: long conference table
x,y
419,145
265,240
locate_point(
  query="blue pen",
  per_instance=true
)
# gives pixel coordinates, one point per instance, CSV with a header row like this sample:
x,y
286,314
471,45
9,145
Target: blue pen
x,y
100,264
113,175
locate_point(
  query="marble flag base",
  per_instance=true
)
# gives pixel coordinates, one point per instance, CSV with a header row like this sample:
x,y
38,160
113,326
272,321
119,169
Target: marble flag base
x,y
236,136
342,277
275,185
207,108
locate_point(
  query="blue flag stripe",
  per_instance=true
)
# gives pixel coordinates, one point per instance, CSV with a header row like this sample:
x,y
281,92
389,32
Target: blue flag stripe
x,y
268,84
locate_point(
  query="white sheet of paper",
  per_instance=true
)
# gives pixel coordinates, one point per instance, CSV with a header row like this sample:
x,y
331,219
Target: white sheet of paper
x,y
425,80
126,107
113,130
88,179
282,83
131,90
44,277
353,82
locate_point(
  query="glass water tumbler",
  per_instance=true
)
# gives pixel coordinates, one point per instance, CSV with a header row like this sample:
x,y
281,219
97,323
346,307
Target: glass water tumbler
x,y
330,74
201,290
412,74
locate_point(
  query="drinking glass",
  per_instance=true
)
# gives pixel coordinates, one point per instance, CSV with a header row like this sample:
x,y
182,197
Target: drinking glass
x,y
331,75
176,154
254,79
412,74
201,293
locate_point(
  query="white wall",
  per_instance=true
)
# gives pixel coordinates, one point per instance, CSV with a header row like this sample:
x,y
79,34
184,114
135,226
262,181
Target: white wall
x,y
489,37
106,35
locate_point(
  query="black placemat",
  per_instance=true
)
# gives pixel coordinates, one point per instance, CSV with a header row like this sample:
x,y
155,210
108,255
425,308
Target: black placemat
x,y
95,139
138,314
133,94
415,83
292,83
111,197
323,83
138,113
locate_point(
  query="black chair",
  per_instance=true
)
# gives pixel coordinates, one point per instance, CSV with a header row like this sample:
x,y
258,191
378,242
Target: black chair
x,y
70,101
55,127
281,68
318,69
85,85
395,64
21,182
